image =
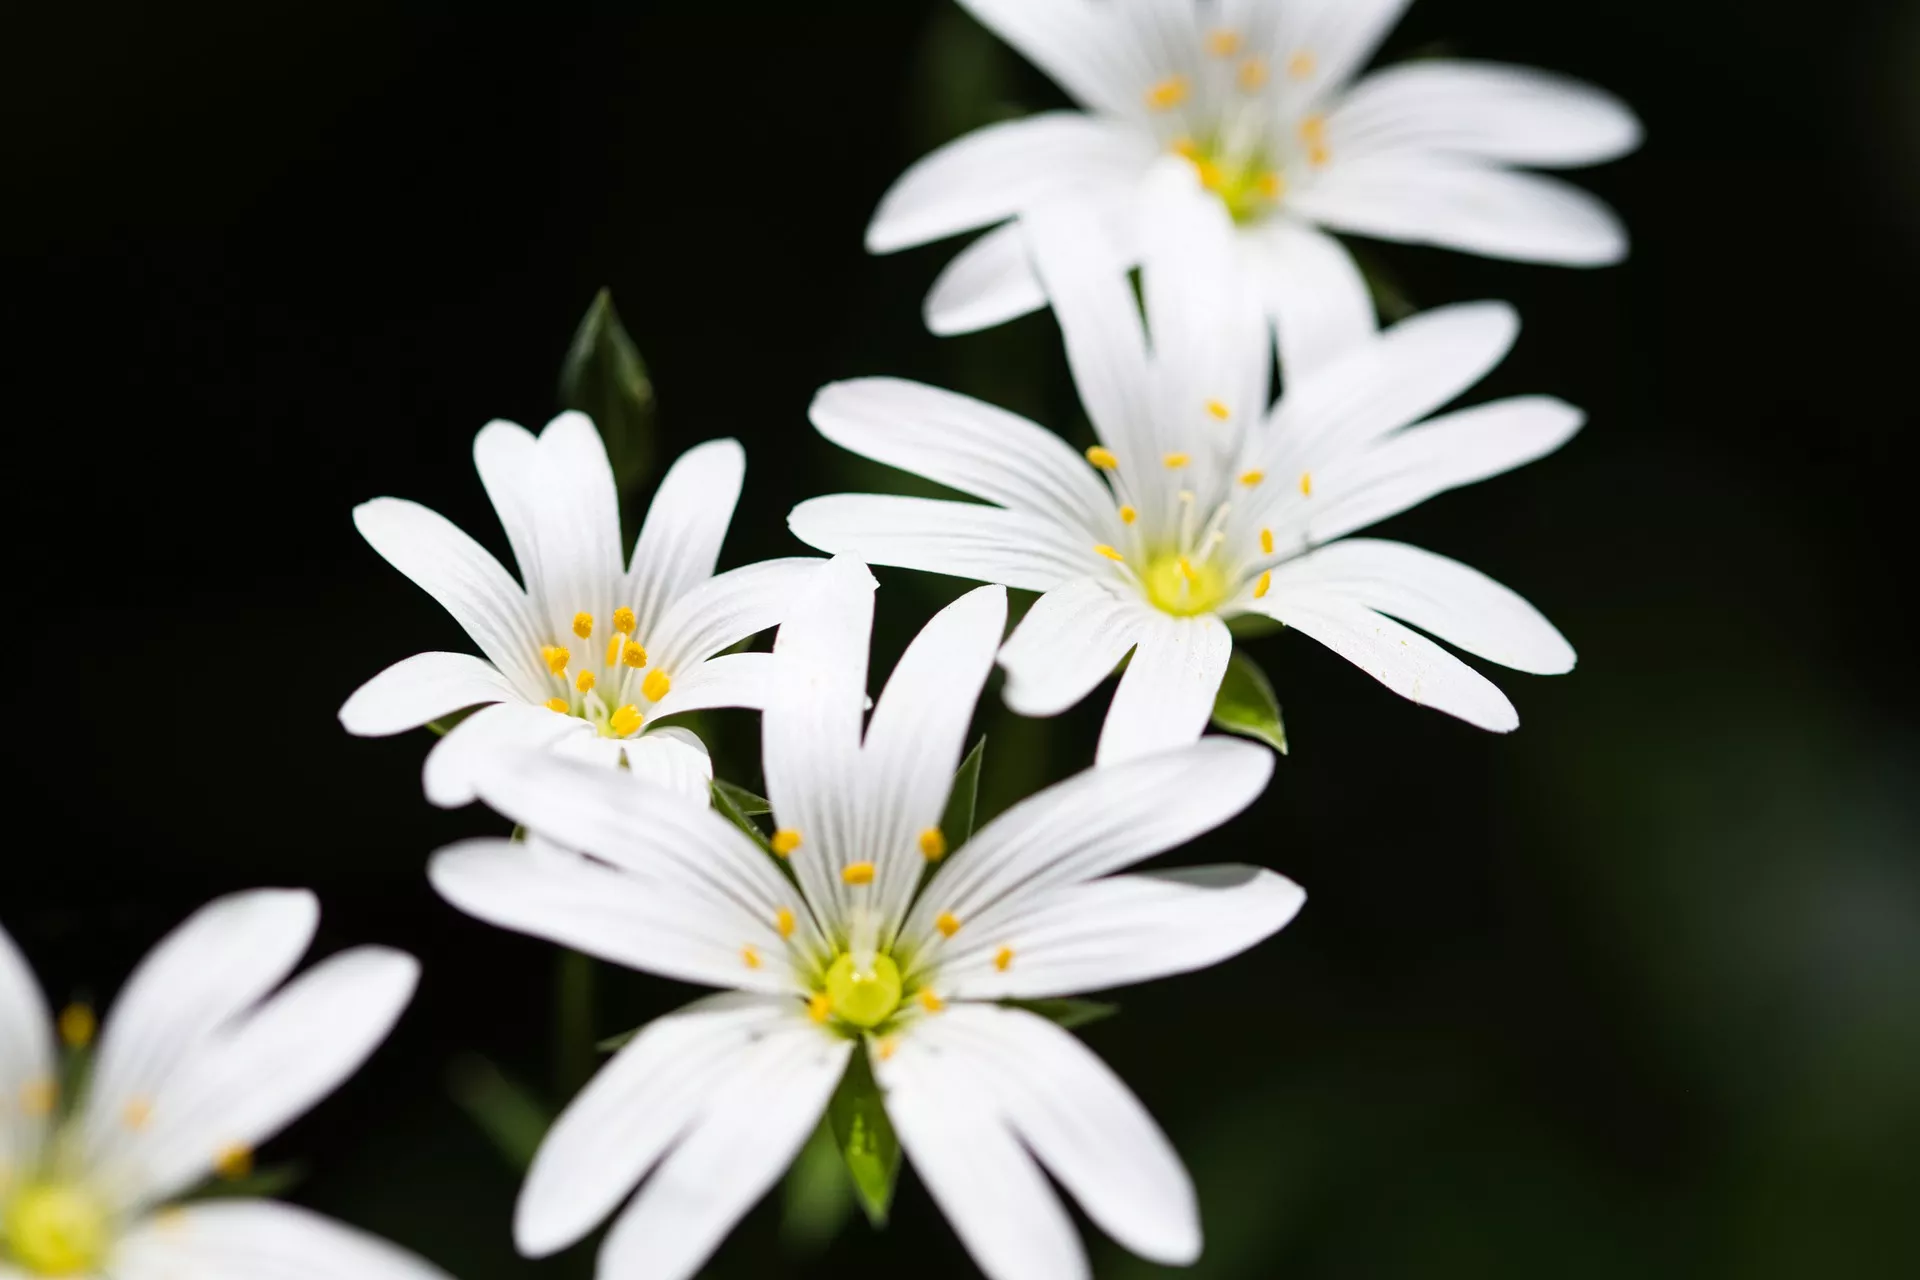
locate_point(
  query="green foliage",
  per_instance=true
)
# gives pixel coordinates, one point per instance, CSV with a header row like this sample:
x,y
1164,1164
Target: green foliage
x,y
739,806
868,1146
1245,704
1069,1013
956,824
605,378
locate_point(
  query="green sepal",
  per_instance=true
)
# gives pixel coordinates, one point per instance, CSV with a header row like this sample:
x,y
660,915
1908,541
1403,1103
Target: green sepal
x,y
1245,704
956,824
617,1042
1069,1013
737,805
444,725
865,1138
261,1184
1253,626
817,1196
605,378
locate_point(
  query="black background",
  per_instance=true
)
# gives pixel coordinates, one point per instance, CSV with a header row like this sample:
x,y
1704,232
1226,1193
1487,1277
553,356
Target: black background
x,y
1636,989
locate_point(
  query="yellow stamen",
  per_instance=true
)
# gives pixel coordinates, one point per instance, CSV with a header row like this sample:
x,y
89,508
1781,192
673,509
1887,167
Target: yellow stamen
x,y
615,643
626,721
885,1047
77,1026
584,682
783,921
1306,484
1175,461
656,685
1186,567
1219,410
556,658
1212,176
1252,478
947,923
1002,958
1271,185
1313,131
785,841
1110,553
234,1162
933,844
634,656
1187,148
931,1002
1223,43
1261,587
583,625
137,1114
1253,74
1102,458
1266,542
1302,64
623,621
857,873
820,1007
557,704
1318,155
37,1097
1168,93
1128,515
751,957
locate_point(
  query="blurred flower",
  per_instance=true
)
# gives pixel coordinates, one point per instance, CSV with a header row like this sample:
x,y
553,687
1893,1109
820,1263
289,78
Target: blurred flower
x,y
1255,94
588,658
201,1062
1198,503
850,953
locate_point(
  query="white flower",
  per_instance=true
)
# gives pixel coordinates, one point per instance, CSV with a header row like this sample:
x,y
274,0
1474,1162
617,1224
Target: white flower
x,y
1256,94
588,657
1199,504
848,953
201,1061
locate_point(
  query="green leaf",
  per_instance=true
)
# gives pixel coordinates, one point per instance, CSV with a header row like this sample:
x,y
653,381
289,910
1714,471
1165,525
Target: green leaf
x,y
604,378
743,800
506,1112
729,807
817,1197
956,824
868,1146
1245,704
1069,1013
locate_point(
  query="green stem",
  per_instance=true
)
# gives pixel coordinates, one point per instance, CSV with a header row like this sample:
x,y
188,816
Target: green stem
x,y
573,1019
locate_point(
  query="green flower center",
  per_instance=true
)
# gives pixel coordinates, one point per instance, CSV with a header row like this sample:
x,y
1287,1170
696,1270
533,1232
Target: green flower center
x,y
1183,586
864,998
1247,184
55,1230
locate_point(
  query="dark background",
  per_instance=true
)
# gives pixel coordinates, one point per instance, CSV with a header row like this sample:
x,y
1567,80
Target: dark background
x,y
1635,990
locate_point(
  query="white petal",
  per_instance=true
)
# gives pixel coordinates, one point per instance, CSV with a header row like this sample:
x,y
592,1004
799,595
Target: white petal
x,y
719,612
457,571
1116,931
1314,292
989,282
252,1078
673,759
453,763
755,1121
1339,36
197,981
26,1056
962,539
1166,693
539,889
1512,114
1406,469
421,688
916,735
1083,1123
994,172
1465,204
1080,45
1402,659
1097,822
950,1126
1460,605
732,680
1068,642
679,544
960,442
259,1240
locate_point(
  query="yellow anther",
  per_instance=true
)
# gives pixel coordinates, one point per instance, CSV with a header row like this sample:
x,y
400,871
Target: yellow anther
x,y
556,658
929,1001
1252,478
584,682
1223,43
750,957
783,921
37,1097
137,1114
1302,64
1265,584
1253,74
1266,542
947,923
1271,185
933,844
1212,177
1318,155
1110,553
626,721
77,1026
655,686
885,1047
1187,148
1102,458
1168,93
785,841
820,1007
1002,958
615,643
234,1162
1313,131
1175,461
1219,410
583,625
623,621
1185,566
1306,484
1128,515
634,656
857,873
